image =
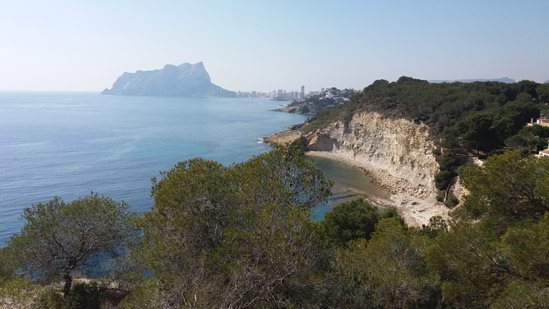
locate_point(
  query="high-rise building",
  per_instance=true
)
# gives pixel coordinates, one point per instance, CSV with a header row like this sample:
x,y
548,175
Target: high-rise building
x,y
302,93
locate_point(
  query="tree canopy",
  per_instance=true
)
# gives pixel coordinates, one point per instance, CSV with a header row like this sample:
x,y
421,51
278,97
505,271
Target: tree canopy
x,y
507,190
61,238
233,236
242,236
465,118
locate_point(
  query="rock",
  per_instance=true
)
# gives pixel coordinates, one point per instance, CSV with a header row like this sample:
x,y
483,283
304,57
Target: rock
x,y
284,138
397,153
186,80
401,149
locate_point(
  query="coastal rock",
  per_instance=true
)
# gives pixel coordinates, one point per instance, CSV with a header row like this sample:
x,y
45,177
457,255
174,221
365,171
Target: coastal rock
x,y
397,153
185,80
284,138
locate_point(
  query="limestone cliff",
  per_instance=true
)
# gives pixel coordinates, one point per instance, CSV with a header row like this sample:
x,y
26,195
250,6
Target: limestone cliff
x,y
397,153
401,148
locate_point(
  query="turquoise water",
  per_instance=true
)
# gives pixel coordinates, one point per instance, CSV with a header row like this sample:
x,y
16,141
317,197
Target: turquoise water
x,y
69,144
349,183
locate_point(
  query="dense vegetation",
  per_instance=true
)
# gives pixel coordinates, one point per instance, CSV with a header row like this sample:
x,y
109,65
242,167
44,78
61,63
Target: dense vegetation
x,y
241,236
467,118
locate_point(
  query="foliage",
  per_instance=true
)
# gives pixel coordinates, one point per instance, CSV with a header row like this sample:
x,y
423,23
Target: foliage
x,y
241,236
465,118
59,239
7,270
81,296
387,271
350,221
234,236
84,295
478,270
436,226
491,108
462,259
508,189
529,139
496,254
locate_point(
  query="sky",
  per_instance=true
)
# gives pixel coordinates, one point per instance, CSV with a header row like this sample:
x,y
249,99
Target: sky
x,y
264,45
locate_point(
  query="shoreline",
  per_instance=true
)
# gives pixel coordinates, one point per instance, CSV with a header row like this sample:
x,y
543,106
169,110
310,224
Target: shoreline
x,y
415,211
371,190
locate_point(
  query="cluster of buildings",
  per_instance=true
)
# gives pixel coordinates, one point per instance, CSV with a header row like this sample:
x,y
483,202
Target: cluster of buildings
x,y
252,94
283,95
278,95
324,93
300,95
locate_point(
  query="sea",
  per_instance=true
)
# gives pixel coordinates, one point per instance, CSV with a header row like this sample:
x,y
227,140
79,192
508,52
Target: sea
x,y
69,144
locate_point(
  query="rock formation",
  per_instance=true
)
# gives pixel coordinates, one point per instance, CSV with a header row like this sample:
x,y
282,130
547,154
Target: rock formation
x,y
396,153
186,80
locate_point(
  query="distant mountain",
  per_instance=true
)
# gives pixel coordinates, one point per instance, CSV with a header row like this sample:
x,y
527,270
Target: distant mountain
x,y
505,80
546,82
185,80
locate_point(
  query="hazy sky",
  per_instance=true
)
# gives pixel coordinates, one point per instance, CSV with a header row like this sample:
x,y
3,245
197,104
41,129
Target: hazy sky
x,y
264,45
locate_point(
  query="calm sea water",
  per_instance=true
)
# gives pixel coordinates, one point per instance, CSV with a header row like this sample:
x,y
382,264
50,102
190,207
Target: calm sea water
x,y
349,183
69,144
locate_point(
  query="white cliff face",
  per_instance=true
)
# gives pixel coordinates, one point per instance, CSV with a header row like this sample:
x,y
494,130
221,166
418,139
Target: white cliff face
x,y
397,152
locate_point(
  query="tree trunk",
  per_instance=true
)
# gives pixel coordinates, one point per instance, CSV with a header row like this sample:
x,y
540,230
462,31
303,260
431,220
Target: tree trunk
x,y
68,283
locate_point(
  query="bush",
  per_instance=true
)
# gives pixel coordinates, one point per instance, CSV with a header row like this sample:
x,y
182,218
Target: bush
x,y
443,179
81,296
84,295
350,220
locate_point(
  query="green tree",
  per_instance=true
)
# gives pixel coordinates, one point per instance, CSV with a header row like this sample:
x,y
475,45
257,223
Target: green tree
x,y
352,220
476,269
59,238
543,92
387,271
467,265
6,267
477,132
233,236
506,190
526,249
283,176
530,139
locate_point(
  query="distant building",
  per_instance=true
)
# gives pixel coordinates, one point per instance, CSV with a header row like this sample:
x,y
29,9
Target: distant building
x,y
541,121
302,93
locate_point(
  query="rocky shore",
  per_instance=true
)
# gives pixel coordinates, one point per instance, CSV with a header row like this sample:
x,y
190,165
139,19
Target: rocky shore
x,y
396,154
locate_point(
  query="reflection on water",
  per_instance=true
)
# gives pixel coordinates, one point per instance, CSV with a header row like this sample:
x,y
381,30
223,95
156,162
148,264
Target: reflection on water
x,y
349,183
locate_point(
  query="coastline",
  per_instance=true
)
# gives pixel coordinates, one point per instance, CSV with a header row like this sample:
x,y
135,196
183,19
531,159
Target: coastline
x,y
416,211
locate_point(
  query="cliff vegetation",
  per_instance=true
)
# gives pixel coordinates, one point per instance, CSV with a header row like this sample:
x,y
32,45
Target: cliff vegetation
x,y
465,119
